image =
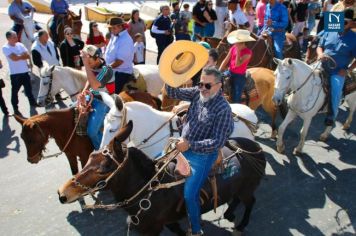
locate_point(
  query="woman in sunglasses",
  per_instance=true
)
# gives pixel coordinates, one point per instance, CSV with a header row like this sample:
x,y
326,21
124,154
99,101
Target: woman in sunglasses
x,y
238,58
70,50
95,37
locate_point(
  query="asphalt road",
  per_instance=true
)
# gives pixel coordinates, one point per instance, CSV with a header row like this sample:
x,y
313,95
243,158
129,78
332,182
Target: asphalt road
x,y
309,195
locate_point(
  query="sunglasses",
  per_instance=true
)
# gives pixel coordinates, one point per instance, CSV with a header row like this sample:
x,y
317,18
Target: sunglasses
x,y
95,25
208,86
69,34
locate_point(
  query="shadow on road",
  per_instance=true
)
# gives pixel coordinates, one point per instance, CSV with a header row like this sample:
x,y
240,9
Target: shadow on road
x,y
7,138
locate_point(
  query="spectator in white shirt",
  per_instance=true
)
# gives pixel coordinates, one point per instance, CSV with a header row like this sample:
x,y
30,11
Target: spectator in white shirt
x,y
139,46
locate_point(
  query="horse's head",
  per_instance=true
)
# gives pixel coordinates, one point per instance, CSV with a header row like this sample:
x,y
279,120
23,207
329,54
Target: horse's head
x,y
283,75
29,27
75,22
34,136
311,54
114,119
100,168
44,93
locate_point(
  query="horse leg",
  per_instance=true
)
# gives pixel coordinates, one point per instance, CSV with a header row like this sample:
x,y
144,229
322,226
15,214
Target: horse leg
x,y
229,213
246,218
303,133
73,164
352,106
324,136
271,109
289,118
175,228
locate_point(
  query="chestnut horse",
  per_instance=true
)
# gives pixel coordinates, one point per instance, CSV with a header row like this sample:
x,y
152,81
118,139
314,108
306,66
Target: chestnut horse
x,y
128,170
72,20
262,49
58,124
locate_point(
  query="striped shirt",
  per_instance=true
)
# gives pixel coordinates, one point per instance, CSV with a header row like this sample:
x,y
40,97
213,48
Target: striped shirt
x,y
208,124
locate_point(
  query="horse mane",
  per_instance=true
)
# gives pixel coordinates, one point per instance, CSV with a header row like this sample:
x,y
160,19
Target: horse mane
x,y
40,118
145,166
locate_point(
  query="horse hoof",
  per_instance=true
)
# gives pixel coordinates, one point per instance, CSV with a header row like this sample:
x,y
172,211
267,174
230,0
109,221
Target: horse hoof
x,y
297,152
236,233
280,148
346,127
323,138
274,134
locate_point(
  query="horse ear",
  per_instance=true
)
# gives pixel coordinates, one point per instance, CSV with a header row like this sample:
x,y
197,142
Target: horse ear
x,y
119,103
124,133
19,119
277,61
107,99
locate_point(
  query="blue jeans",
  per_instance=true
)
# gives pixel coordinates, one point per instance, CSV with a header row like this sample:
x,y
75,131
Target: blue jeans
x,y
237,86
197,30
336,86
278,43
200,165
209,30
18,80
96,121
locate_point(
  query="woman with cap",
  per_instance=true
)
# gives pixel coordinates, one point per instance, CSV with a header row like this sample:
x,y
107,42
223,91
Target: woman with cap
x,y
70,50
238,58
209,118
100,78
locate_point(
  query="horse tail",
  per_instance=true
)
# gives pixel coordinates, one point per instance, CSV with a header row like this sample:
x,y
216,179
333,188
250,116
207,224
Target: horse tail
x,y
158,102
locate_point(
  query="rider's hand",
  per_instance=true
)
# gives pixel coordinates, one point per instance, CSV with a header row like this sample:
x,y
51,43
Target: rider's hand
x,y
167,32
182,145
322,57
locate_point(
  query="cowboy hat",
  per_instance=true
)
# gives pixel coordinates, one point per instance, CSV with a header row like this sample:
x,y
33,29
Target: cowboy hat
x,y
115,21
180,61
239,36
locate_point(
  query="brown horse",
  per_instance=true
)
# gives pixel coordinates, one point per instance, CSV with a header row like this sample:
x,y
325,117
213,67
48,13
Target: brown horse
x,y
72,20
149,99
58,124
262,49
264,82
128,170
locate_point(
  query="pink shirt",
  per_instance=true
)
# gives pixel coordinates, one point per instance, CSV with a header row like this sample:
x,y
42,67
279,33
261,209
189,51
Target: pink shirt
x,y
242,68
260,13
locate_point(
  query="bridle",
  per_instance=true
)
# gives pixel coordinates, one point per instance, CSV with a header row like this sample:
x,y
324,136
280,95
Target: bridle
x,y
49,99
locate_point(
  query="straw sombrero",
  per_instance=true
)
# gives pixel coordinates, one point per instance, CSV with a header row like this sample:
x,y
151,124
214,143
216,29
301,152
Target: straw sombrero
x,y
239,36
180,61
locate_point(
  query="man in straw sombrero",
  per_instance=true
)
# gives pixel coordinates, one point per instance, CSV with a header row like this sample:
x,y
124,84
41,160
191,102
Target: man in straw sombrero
x,y
209,118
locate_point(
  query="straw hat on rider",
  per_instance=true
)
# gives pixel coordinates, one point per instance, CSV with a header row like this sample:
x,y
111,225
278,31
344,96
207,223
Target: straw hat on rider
x,y
180,61
239,36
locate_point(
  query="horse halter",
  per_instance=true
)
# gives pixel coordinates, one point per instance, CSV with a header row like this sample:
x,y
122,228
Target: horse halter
x,y
45,142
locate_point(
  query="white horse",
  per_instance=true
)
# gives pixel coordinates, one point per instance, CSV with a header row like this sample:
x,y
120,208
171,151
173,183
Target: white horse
x,y
147,120
306,99
55,78
27,34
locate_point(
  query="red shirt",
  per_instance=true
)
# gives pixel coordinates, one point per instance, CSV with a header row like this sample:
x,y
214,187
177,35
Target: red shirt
x,y
96,40
242,68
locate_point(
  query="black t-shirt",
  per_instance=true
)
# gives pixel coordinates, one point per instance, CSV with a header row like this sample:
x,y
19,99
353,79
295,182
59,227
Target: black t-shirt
x,y
301,11
198,11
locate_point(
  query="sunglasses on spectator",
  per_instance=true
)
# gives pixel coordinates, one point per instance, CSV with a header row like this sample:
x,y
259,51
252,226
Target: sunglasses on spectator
x,y
208,86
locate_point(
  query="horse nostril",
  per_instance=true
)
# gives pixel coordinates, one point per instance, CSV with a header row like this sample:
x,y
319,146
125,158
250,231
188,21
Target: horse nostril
x,y
62,199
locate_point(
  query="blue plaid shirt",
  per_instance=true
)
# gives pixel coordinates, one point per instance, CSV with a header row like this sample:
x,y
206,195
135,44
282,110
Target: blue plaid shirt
x,y
208,124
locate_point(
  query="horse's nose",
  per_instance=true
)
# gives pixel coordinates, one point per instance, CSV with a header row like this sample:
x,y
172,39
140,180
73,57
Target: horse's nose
x,y
62,198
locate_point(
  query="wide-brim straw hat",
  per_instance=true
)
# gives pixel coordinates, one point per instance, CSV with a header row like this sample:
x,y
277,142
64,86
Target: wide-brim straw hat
x,y
180,61
239,36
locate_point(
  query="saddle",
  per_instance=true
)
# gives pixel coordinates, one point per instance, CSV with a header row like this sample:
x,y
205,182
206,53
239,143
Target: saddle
x,y
226,165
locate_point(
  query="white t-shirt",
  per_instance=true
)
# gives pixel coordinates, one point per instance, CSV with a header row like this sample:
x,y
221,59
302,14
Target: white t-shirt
x,y
238,17
16,67
139,51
